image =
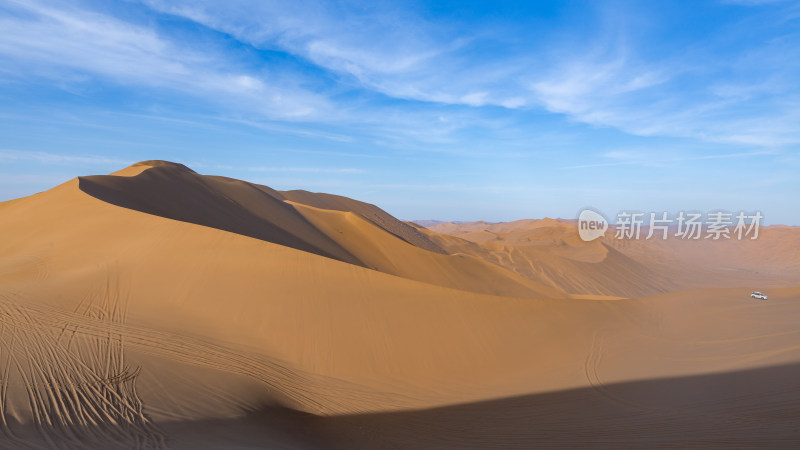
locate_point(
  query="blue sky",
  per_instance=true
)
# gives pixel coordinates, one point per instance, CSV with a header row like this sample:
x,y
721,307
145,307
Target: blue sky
x,y
459,110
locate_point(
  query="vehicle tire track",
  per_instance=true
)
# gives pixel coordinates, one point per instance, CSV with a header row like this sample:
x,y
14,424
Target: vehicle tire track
x,y
308,392
664,413
80,391
592,368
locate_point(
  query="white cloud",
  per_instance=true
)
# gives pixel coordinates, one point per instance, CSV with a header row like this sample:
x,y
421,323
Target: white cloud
x,y
307,170
613,88
655,158
752,2
386,49
9,155
607,80
60,41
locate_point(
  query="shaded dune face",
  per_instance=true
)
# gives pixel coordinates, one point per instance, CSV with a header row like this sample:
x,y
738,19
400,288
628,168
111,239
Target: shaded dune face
x,y
159,308
176,192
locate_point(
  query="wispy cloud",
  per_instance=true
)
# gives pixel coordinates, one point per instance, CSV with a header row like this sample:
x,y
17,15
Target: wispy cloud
x,y
611,82
307,170
393,50
752,2
64,42
8,155
616,84
386,48
650,159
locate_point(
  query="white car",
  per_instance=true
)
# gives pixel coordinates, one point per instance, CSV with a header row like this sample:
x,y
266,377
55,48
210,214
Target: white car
x,y
757,294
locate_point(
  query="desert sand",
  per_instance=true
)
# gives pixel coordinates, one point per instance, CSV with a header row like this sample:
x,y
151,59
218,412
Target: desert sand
x,y
159,308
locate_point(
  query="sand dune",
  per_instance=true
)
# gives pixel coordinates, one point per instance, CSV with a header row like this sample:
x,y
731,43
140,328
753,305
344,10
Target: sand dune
x,y
551,252
350,231
772,260
159,308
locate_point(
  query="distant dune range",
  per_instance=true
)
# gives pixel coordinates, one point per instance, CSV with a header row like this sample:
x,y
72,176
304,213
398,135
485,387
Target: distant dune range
x,y
159,308
551,252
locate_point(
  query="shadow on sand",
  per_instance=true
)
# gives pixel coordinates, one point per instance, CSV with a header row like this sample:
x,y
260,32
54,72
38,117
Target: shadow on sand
x,y
751,408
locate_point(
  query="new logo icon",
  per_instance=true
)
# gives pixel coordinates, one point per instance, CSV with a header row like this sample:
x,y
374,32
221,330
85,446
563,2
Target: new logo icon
x,y
591,225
